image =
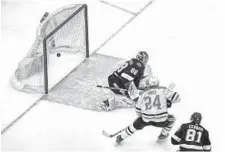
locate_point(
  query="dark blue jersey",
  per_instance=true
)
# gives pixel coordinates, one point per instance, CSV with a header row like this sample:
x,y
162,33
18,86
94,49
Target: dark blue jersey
x,y
132,70
192,137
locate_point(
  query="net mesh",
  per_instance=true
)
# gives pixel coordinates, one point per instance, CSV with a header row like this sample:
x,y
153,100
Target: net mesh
x,y
79,89
70,38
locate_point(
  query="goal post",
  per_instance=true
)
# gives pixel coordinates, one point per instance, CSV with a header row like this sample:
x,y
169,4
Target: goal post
x,y
83,7
64,30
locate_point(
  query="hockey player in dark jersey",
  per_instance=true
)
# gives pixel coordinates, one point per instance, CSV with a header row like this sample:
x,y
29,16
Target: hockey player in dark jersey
x,y
130,71
192,136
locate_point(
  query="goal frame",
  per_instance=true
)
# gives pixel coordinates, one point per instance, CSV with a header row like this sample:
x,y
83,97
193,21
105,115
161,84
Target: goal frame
x,y
45,54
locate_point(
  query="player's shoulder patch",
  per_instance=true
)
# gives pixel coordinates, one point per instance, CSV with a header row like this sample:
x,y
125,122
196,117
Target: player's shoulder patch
x,y
139,64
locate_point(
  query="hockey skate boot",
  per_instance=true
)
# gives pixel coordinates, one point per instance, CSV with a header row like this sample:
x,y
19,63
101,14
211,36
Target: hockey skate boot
x,y
162,138
118,140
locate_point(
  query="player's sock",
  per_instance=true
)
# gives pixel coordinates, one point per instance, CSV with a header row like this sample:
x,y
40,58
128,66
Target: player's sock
x,y
163,136
128,131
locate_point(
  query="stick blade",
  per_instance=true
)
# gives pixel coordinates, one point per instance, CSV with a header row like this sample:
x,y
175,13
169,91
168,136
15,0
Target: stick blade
x,y
106,134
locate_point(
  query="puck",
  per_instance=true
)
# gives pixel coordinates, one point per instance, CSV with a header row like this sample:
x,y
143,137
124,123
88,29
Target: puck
x,y
58,54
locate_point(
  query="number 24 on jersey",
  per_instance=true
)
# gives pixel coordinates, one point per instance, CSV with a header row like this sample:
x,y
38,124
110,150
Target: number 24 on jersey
x,y
151,102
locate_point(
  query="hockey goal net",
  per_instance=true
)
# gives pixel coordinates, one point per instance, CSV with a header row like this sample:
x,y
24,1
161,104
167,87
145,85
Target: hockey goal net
x,y
63,31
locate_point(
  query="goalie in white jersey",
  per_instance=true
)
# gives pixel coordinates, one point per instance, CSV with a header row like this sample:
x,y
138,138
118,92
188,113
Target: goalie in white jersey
x,y
151,109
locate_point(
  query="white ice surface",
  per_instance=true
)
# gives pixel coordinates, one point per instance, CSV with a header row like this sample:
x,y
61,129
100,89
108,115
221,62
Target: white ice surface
x,y
185,41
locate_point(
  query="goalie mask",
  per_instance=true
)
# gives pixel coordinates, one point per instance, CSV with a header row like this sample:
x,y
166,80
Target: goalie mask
x,y
142,56
196,118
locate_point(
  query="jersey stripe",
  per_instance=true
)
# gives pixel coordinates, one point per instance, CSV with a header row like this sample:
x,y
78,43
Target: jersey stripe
x,y
191,147
175,97
207,147
155,114
127,76
155,118
176,138
138,111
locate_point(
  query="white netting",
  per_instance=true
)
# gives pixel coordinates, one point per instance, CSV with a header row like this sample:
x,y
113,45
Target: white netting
x,y
79,88
29,75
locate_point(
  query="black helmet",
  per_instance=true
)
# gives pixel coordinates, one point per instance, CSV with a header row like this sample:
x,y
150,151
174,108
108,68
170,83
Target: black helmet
x,y
196,118
142,56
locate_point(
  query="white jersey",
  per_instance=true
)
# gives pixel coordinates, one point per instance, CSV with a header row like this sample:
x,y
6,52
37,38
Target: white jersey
x,y
152,104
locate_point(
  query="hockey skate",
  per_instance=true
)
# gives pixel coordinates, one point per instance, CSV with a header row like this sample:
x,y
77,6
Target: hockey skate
x,y
118,140
162,138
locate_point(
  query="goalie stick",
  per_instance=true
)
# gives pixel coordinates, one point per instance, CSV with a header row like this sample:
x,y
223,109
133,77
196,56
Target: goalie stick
x,y
112,88
170,87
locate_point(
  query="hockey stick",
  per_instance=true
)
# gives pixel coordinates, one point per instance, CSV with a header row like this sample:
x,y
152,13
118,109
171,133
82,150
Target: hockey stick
x,y
112,135
112,88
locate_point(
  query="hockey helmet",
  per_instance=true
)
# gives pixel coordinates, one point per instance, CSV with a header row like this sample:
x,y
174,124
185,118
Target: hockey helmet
x,y
196,117
153,81
142,56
